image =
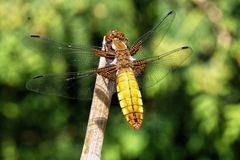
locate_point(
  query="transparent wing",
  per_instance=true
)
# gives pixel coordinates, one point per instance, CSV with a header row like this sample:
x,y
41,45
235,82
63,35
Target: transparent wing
x,y
76,85
73,54
152,70
159,30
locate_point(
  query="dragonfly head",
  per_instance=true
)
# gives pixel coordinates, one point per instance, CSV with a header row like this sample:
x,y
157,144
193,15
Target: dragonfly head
x,y
116,40
114,34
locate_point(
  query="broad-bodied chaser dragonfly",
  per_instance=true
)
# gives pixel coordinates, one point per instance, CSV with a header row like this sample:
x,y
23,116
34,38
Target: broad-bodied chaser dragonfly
x,y
124,67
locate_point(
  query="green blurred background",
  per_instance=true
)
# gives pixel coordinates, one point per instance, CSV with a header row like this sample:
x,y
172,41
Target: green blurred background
x,y
193,114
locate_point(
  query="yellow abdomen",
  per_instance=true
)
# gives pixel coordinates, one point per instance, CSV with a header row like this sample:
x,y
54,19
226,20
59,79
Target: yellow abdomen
x,y
130,97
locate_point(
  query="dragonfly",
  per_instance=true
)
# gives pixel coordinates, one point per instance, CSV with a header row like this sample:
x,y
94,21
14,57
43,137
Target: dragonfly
x,y
126,67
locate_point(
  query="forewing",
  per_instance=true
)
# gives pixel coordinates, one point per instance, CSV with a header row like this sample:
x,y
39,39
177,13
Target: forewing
x,y
75,55
152,70
149,37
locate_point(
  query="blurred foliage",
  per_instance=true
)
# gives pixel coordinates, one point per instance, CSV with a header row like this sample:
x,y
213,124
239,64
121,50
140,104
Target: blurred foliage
x,y
193,114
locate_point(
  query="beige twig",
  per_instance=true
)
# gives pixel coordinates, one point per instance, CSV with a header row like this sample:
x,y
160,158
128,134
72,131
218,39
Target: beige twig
x,y
98,117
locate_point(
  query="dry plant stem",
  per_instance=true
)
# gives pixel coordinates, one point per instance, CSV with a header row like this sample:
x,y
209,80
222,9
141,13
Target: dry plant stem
x,y
98,118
